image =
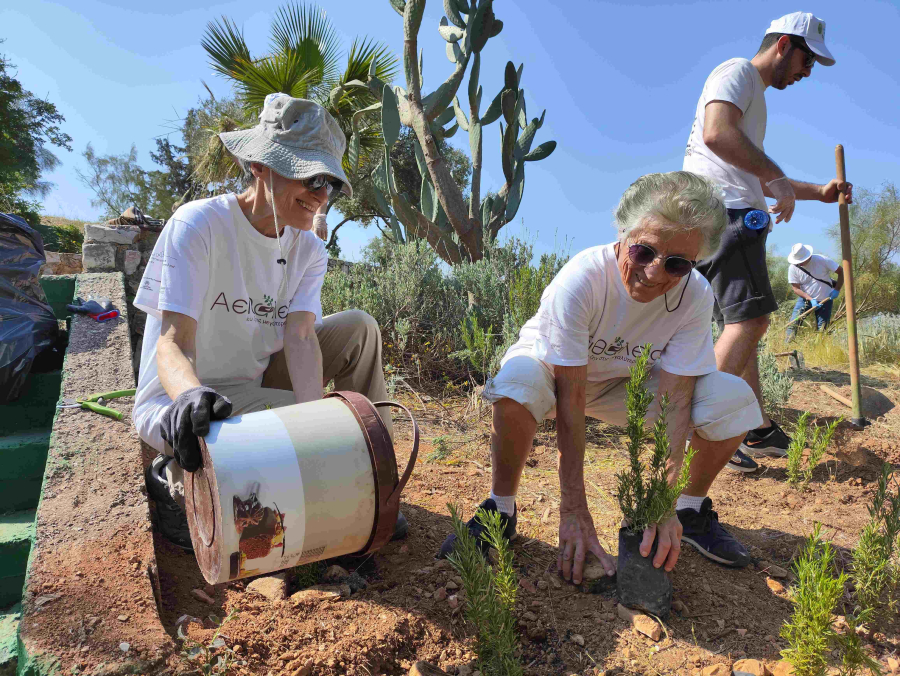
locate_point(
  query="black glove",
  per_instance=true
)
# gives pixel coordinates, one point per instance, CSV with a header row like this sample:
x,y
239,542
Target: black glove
x,y
188,418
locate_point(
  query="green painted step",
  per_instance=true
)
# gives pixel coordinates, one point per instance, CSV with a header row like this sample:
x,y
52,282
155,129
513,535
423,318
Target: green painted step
x,y
60,291
16,535
34,410
11,589
9,627
23,456
19,494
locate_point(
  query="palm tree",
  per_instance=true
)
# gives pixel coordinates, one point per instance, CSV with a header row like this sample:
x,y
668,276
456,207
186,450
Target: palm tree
x,y
303,62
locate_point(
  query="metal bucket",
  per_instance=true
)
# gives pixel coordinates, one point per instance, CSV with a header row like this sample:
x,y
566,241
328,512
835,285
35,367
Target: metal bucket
x,y
292,485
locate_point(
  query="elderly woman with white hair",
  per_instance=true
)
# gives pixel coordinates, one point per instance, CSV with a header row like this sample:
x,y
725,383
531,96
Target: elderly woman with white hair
x,y
572,360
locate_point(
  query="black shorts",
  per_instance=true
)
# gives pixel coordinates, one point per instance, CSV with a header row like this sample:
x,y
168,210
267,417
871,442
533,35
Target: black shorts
x,y
738,274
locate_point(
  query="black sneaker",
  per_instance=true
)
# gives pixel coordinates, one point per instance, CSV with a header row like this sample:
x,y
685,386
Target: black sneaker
x,y
476,529
741,463
770,441
170,517
702,530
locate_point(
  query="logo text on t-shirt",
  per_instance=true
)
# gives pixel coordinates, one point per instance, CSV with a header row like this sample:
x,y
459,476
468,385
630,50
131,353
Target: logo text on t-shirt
x,y
601,349
247,306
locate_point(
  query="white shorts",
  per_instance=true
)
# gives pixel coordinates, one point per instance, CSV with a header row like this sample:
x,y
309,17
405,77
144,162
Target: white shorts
x,y
723,407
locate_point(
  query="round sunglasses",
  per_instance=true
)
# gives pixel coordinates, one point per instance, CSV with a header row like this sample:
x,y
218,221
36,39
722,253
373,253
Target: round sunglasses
x,y
643,255
809,58
321,180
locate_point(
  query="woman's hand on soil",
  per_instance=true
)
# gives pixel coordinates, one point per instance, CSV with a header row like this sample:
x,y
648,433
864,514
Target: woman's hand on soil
x,y
669,546
577,537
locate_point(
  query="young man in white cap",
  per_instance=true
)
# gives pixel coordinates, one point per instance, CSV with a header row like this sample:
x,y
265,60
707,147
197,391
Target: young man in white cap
x,y
232,294
726,144
810,278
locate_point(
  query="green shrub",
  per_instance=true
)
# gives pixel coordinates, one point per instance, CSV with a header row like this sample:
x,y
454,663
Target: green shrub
x,y
854,658
798,474
422,307
809,631
490,593
875,572
64,238
776,385
643,489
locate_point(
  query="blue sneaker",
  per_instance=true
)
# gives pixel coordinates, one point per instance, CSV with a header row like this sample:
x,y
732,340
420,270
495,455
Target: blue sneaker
x,y
703,532
741,463
476,529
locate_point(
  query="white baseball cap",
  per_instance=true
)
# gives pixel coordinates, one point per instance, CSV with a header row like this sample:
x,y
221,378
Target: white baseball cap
x,y
800,253
810,28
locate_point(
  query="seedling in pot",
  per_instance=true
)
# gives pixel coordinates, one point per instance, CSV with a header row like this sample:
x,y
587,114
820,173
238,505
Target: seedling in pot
x,y
645,496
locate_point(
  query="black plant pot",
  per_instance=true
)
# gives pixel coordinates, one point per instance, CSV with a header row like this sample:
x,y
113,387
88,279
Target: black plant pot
x,y
639,584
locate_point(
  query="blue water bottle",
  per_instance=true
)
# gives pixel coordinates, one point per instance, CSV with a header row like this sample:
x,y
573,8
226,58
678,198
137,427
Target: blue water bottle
x,y
756,219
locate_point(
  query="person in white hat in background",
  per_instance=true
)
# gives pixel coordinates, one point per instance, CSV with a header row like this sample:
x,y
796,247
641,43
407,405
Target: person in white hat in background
x,y
232,296
726,145
810,278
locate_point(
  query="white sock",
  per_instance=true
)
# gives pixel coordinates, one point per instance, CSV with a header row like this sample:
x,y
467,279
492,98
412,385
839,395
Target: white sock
x,y
505,503
690,501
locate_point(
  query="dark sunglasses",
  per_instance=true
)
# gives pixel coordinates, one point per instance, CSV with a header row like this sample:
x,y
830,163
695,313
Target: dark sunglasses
x,y
319,181
800,44
643,255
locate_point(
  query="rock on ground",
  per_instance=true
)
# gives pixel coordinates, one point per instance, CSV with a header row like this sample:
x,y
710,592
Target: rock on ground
x,y
751,667
716,670
783,668
273,587
426,669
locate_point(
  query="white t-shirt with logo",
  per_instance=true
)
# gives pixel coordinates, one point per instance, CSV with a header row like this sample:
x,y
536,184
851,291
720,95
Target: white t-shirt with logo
x,y
817,266
736,81
212,265
588,318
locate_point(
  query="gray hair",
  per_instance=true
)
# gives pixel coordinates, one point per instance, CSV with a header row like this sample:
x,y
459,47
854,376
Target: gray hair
x,y
687,201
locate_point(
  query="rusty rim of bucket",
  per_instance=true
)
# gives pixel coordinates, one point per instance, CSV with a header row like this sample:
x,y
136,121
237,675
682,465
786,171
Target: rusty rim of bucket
x,y
202,490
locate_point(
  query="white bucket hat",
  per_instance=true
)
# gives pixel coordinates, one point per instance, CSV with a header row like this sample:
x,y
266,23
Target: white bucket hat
x,y
800,253
809,27
295,138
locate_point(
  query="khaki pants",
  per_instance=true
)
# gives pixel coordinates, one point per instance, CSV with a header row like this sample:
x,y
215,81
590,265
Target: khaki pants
x,y
350,342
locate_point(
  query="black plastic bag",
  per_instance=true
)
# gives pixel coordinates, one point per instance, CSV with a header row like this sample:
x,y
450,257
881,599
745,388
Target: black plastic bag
x,y
27,323
639,584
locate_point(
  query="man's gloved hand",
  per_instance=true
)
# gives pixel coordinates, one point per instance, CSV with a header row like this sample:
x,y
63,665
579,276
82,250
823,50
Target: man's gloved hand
x,y
834,294
814,302
187,418
785,198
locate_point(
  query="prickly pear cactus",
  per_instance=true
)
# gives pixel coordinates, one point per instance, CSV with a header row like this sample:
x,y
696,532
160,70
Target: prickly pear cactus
x,y
455,228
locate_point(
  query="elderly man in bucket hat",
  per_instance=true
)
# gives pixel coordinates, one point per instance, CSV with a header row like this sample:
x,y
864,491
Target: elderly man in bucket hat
x,y
232,294
810,278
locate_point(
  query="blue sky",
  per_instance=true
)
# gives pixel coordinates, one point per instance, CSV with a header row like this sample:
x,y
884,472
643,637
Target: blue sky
x,y
620,82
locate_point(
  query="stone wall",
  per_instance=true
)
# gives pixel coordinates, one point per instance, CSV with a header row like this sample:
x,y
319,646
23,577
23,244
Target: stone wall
x,y
61,263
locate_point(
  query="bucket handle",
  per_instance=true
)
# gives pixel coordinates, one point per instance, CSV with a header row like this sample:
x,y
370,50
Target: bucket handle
x,y
395,496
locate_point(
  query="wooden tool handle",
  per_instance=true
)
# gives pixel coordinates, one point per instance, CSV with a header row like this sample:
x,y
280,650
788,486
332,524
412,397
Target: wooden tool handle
x,y
840,171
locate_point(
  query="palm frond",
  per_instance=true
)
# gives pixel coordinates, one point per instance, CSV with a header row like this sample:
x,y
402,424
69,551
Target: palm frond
x,y
282,72
306,30
228,52
362,53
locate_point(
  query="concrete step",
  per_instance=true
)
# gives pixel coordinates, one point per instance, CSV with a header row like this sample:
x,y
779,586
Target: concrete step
x,y
33,410
9,629
16,535
23,455
19,494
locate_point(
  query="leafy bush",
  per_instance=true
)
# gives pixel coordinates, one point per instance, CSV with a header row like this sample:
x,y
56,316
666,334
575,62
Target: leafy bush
x,y
643,490
799,475
490,593
776,385
876,558
810,630
62,237
437,322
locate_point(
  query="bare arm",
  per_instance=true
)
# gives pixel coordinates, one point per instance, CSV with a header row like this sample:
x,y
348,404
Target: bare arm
x,y
577,535
839,283
681,393
722,134
176,354
800,292
304,358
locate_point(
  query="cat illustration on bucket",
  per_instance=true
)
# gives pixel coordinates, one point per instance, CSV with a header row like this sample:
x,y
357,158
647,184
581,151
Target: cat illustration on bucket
x,y
260,530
